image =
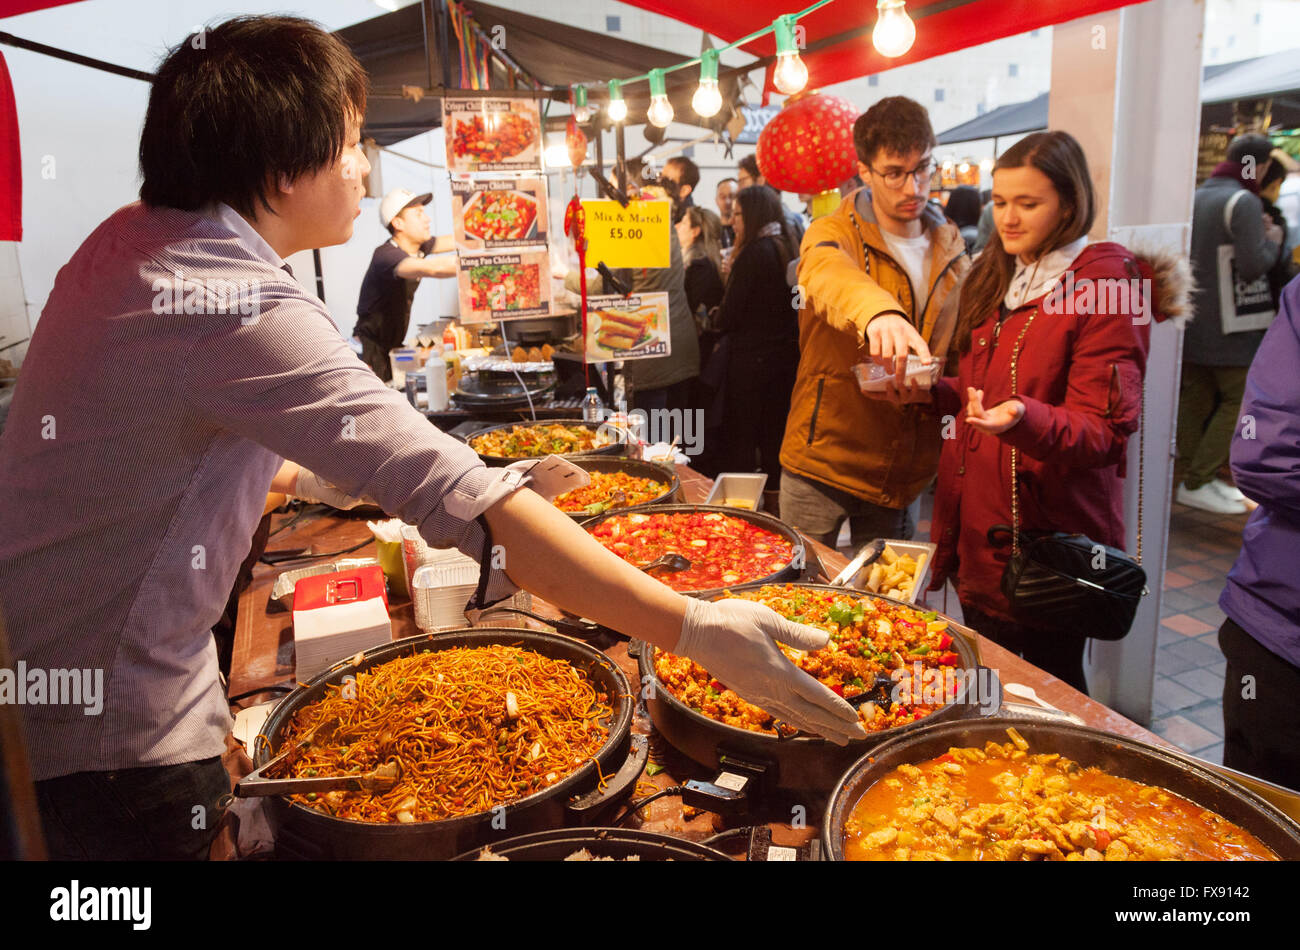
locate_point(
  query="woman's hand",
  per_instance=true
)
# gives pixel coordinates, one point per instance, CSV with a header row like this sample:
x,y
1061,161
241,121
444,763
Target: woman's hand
x,y
994,421
888,338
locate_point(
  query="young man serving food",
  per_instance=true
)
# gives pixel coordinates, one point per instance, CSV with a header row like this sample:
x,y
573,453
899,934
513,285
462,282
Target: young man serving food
x,y
152,471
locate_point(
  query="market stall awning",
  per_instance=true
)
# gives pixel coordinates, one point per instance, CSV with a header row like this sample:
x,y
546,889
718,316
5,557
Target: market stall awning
x,y
1011,119
838,43
391,47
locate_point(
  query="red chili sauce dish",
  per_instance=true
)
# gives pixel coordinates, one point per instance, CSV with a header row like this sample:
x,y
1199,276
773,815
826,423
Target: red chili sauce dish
x,y
723,550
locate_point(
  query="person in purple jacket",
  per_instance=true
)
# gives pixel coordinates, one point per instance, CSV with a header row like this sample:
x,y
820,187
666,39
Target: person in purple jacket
x,y
1261,635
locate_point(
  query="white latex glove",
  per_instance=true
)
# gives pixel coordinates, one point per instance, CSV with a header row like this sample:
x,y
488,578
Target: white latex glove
x,y
310,487
735,640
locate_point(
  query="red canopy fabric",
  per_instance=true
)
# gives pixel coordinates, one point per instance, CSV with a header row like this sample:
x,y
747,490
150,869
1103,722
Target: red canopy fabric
x,y
15,7
838,36
11,170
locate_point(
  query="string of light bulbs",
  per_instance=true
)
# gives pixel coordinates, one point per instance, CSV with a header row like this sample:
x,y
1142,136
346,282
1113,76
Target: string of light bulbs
x,y
892,36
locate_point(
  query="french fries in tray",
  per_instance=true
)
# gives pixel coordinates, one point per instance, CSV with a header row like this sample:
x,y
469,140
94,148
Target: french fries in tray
x,y
896,575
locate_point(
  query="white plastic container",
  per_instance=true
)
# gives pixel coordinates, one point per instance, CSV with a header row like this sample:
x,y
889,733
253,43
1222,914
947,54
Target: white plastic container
x,y
435,375
923,374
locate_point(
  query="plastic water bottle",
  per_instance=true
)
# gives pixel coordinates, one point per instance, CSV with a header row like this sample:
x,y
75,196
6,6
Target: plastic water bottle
x,y
592,408
435,374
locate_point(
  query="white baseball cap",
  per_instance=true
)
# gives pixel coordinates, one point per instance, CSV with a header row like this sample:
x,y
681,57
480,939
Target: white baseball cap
x,y
398,200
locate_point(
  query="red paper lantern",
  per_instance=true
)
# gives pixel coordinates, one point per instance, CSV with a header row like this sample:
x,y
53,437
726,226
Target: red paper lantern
x,y
807,148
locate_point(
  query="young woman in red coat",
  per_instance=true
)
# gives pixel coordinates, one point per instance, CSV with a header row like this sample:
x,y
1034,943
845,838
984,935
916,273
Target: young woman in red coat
x,y
1078,314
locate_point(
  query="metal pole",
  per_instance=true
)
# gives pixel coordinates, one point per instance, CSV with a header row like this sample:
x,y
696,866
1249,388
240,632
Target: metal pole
x,y
621,162
430,38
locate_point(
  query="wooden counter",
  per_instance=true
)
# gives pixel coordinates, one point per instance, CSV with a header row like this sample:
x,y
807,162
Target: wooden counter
x,y
263,657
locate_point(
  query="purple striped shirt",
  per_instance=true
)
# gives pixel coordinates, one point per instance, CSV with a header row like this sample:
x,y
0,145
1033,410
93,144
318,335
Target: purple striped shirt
x,y
174,367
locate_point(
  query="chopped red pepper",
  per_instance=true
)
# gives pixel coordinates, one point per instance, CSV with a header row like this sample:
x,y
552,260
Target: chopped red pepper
x,y
1102,836
945,641
837,689
948,659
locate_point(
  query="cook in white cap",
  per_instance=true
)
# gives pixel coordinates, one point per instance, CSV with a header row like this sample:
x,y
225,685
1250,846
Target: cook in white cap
x,y
384,306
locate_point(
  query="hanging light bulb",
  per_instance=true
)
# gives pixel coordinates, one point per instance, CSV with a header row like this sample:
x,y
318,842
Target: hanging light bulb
x,y
791,74
581,110
617,108
895,32
707,100
660,112
556,156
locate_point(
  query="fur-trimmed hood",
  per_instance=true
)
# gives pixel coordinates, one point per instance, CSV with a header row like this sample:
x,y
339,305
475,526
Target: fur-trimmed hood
x,y
1172,281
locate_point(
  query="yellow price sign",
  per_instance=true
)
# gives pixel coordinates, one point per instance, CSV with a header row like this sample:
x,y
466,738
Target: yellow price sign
x,y
635,236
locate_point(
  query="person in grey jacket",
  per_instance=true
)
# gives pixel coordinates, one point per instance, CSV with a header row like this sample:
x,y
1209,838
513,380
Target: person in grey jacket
x,y
1227,211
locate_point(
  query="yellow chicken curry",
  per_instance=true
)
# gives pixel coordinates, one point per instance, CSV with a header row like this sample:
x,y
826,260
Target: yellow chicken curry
x,y
1002,803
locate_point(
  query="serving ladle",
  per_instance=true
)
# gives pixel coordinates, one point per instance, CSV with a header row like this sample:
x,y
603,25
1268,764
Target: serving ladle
x,y
669,564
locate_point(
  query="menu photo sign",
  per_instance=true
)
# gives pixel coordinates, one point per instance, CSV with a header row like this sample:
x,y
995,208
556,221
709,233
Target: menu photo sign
x,y
635,236
504,286
492,135
494,213
627,328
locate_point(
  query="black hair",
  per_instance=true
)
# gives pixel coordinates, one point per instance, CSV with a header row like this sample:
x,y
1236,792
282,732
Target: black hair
x,y
689,170
750,164
964,207
1257,146
895,123
236,106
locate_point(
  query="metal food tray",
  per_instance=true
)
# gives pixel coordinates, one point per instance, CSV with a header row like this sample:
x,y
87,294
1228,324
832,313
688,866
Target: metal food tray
x,y
283,589
747,485
901,548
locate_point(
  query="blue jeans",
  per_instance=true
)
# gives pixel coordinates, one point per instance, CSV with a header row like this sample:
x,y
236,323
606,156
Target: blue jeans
x,y
141,814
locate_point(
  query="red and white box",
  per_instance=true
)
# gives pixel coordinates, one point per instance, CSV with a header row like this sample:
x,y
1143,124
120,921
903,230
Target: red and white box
x,y
337,615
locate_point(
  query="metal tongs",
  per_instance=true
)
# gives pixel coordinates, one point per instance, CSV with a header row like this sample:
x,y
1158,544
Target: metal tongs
x,y
867,556
880,692
257,783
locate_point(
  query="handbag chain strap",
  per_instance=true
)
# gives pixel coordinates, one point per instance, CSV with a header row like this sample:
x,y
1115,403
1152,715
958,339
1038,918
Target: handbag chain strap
x,y
1015,487
1015,484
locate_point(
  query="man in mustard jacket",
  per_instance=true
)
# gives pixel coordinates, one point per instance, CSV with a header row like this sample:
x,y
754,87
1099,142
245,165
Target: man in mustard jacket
x,y
879,278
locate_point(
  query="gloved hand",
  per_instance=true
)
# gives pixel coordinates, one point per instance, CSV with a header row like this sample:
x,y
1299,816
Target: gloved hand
x,y
735,640
310,487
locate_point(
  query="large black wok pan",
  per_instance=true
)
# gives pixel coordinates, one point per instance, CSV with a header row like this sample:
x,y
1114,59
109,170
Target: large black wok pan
x,y
574,800
1128,758
803,761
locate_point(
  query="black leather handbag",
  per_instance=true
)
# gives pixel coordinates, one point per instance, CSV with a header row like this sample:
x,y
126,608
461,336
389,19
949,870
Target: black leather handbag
x,y
1069,583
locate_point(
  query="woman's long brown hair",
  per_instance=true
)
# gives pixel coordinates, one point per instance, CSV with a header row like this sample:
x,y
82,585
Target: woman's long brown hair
x,y
1058,156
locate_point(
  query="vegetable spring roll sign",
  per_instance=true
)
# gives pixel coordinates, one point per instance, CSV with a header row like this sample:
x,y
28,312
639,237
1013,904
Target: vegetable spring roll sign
x,y
492,135
635,236
505,286
627,328
498,213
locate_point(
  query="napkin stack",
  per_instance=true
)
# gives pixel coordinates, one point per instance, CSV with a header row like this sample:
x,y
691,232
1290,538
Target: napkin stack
x,y
338,615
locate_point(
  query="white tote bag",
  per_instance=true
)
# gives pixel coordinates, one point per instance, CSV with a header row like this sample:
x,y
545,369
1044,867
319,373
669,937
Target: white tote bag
x,y
1244,305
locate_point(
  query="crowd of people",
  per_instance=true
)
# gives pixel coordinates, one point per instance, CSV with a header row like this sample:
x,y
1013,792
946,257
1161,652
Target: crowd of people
x,y
1026,432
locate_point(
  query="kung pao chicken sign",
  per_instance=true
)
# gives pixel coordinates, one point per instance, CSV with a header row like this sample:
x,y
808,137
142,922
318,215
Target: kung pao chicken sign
x,y
504,286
